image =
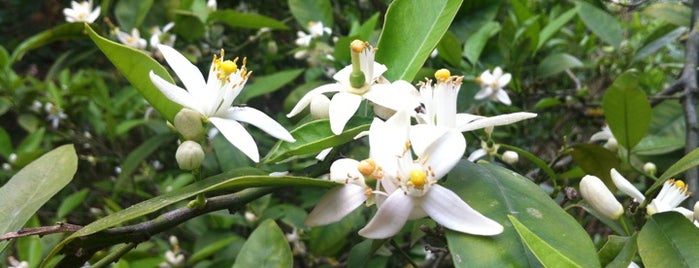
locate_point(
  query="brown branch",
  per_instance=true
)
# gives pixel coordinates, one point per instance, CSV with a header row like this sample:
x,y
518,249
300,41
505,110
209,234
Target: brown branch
x,y
689,100
60,227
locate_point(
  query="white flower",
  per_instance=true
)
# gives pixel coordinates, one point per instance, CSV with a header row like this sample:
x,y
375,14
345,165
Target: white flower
x,y
669,198
213,98
606,135
599,197
211,5
348,97
81,12
159,36
493,84
412,185
14,263
650,168
133,40
315,30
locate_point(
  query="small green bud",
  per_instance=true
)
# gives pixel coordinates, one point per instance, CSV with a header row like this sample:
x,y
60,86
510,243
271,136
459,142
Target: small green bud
x,y
357,79
189,155
188,123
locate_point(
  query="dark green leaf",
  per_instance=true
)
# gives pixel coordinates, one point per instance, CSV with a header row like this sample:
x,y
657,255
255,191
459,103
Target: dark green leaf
x,y
595,160
131,13
497,192
71,202
544,252
330,239
624,256
553,26
675,13
659,43
557,63
267,84
33,186
62,32
669,240
212,249
476,43
627,110
5,144
450,49
688,161
412,29
305,11
245,20
601,23
136,157
265,248
135,66
666,132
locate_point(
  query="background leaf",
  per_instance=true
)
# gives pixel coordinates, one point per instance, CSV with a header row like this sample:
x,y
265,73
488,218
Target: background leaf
x,y
595,160
675,13
627,110
305,11
135,66
62,32
545,253
688,161
245,20
265,248
259,86
553,26
497,192
476,43
411,30
131,13
33,186
601,23
668,240
557,63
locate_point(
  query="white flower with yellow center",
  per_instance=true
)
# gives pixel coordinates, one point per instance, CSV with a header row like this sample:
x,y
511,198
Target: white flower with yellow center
x,y
315,30
355,83
81,12
412,186
213,98
493,86
669,198
133,40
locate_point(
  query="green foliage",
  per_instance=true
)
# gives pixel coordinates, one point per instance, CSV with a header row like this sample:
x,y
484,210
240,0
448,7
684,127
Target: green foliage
x,y
627,110
62,32
266,247
668,240
601,23
544,252
131,13
674,13
305,11
243,20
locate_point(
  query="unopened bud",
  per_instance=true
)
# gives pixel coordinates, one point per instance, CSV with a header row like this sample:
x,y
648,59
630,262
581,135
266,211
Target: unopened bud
x,y
320,105
599,197
189,155
510,157
650,168
188,123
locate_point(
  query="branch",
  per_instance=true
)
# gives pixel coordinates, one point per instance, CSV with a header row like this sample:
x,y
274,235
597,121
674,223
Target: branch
x,y
689,100
60,227
81,249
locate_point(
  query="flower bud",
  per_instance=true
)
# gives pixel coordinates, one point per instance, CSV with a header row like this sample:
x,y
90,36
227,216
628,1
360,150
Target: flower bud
x,y
189,155
510,157
188,123
320,105
599,197
650,168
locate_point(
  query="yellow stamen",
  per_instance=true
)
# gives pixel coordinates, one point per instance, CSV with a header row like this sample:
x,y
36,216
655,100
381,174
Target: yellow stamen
x,y
357,46
679,184
418,178
367,167
442,75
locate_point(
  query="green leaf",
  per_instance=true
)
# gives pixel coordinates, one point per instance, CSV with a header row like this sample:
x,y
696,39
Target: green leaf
x,y
675,13
135,66
71,202
496,193
601,23
476,43
553,26
595,160
545,253
136,157
450,49
627,110
267,84
329,240
666,132
669,240
266,247
62,32
412,29
619,251
245,20
223,182
33,186
313,137
212,249
688,161
557,63
5,144
131,13
305,11
659,43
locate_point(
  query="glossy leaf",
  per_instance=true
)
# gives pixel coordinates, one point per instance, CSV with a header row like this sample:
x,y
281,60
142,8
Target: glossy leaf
x,y
595,160
33,186
666,132
659,43
62,32
313,137
265,248
212,248
223,182
245,20
305,11
627,110
476,43
259,86
675,13
545,253
557,63
619,251
553,26
320,243
131,13
135,66
412,29
71,202
449,49
497,192
601,23
688,161
668,240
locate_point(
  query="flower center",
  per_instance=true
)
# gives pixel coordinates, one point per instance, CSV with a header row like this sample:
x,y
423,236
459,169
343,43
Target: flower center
x,y
442,75
369,168
679,184
418,179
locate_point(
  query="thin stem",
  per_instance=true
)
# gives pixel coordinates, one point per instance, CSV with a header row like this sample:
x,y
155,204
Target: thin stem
x,y
114,256
402,253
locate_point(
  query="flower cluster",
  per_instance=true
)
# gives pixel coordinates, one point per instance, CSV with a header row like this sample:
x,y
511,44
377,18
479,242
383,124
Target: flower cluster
x,y
81,12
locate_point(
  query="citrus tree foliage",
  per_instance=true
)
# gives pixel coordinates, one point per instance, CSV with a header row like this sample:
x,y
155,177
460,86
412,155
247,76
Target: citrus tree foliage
x,y
348,133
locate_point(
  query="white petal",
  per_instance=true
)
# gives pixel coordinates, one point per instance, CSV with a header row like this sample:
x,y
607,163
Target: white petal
x,y
504,80
343,76
189,74
477,154
306,99
342,107
175,93
323,154
445,153
387,140
399,95
423,135
345,169
378,70
502,96
463,118
94,15
261,120
601,136
390,217
626,186
484,93
337,203
498,120
236,134
447,209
